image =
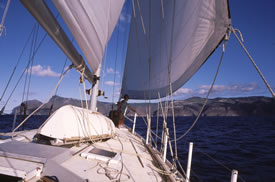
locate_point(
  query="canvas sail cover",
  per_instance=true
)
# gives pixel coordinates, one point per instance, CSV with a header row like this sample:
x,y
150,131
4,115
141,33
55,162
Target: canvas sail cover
x,y
91,23
169,40
70,122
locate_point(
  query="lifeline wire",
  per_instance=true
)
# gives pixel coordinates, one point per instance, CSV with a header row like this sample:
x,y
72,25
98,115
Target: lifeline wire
x,y
218,162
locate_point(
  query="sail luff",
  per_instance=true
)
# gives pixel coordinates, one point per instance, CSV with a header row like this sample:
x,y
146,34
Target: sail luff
x,y
43,15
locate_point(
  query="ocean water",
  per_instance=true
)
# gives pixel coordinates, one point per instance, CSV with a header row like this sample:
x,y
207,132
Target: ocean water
x,y
221,144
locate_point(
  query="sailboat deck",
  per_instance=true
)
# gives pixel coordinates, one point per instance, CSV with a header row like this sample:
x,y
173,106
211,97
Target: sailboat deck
x,y
132,166
134,161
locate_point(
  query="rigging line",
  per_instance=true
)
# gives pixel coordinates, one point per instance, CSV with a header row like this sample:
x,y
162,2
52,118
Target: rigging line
x,y
141,18
104,67
29,62
218,162
42,40
33,52
157,127
209,91
169,79
84,89
149,65
166,106
162,110
14,88
145,124
143,26
164,122
162,9
18,60
2,27
63,69
124,42
115,64
122,165
181,168
134,9
68,69
29,84
174,127
253,62
174,122
160,103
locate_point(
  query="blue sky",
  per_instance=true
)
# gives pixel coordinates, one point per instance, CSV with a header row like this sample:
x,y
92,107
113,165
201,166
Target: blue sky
x,y
237,76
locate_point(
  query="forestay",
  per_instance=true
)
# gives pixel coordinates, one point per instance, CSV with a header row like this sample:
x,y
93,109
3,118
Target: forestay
x,y
91,23
168,43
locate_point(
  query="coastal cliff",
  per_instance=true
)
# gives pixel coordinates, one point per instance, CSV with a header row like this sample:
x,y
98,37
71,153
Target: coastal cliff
x,y
243,106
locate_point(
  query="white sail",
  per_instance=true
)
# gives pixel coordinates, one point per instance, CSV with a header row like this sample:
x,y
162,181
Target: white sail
x,y
91,23
169,43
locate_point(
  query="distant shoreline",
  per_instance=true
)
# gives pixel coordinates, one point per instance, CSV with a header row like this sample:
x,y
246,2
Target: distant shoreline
x,y
242,106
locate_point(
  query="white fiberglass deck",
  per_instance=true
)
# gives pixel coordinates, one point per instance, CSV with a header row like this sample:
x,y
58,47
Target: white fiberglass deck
x,y
133,161
133,166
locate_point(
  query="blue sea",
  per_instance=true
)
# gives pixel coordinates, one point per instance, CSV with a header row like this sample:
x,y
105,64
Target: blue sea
x,y
221,144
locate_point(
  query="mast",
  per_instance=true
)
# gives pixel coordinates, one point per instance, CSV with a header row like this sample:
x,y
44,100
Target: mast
x,y
93,102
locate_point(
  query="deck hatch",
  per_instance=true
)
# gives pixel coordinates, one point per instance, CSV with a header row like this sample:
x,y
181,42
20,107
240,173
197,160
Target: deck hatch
x,y
101,154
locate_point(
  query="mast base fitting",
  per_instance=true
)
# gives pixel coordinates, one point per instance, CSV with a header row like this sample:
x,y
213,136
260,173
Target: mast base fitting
x,y
95,78
89,91
101,93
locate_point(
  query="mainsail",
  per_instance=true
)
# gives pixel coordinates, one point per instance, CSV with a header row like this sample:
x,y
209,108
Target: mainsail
x,y
91,23
169,41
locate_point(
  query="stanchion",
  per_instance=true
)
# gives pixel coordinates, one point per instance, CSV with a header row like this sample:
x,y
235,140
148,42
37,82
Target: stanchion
x,y
234,175
134,125
189,162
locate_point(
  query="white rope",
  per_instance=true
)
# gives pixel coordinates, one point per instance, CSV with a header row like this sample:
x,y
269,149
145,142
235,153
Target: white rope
x,y
104,67
162,9
141,18
174,122
163,172
61,78
134,8
205,102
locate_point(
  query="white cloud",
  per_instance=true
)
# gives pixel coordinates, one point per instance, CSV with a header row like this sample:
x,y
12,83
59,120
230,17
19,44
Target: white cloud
x,y
202,91
111,83
236,88
111,71
124,17
218,90
38,70
183,91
